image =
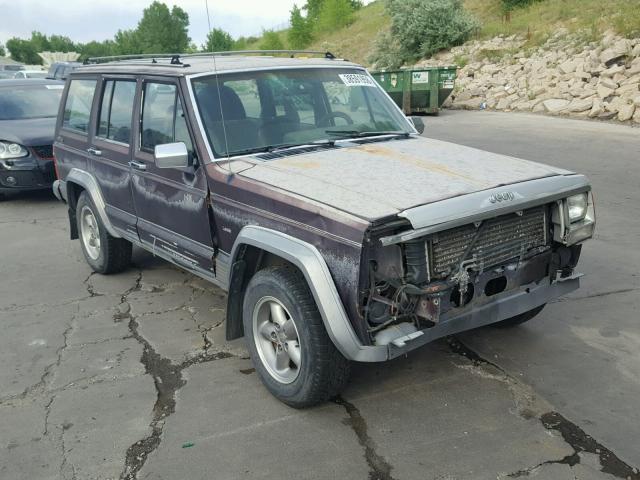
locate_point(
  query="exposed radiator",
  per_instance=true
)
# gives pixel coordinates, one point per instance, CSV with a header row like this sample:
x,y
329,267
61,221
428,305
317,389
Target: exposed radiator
x,y
502,238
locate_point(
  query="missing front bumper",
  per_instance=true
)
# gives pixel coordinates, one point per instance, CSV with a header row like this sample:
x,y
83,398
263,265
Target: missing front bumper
x,y
505,306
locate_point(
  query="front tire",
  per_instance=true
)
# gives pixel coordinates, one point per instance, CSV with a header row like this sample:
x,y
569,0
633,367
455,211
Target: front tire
x,y
104,253
519,319
290,348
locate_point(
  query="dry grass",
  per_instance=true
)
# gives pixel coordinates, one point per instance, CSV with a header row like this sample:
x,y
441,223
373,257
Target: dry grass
x,y
537,22
356,41
541,19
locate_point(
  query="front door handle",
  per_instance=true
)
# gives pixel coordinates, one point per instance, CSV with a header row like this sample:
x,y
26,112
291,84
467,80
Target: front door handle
x,y
138,165
94,151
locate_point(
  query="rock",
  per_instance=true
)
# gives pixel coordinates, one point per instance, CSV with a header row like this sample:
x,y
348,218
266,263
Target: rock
x,y
604,92
626,112
597,108
537,90
568,66
629,89
610,72
580,105
472,104
582,75
617,52
606,116
613,105
633,79
538,108
636,116
636,101
463,96
503,104
608,83
555,105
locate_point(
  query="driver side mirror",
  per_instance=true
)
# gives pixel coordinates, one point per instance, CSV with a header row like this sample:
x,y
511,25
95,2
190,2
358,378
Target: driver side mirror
x,y
171,155
417,123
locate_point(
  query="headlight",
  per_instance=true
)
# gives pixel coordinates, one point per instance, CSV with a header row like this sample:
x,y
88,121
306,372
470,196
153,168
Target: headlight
x,y
12,150
577,207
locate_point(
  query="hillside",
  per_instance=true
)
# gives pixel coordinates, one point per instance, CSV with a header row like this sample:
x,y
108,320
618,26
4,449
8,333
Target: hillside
x,y
536,23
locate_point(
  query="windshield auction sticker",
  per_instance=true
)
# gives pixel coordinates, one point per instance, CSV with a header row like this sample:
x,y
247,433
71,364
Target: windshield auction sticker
x,y
356,80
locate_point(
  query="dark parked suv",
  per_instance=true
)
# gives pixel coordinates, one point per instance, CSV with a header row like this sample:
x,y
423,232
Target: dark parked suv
x,y
299,187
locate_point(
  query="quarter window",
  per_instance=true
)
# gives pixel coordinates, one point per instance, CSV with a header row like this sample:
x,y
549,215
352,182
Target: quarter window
x,y
116,110
77,109
163,119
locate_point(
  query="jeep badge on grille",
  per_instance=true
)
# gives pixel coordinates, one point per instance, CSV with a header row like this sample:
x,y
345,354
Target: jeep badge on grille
x,y
502,197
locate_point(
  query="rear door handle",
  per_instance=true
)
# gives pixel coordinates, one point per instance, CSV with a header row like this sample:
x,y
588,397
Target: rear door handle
x,y
94,151
138,165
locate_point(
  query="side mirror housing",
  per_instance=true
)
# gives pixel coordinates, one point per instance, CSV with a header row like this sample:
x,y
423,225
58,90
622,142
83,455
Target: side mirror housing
x,y
417,123
171,155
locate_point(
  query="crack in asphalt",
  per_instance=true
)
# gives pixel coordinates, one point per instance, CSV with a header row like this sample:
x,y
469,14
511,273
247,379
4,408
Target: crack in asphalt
x,y
39,386
571,433
379,468
167,379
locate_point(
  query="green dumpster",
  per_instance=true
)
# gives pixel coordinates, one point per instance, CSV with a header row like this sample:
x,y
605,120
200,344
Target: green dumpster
x,y
418,91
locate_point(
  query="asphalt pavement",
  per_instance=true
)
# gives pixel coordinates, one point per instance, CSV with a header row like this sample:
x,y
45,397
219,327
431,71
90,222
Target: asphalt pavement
x,y
129,376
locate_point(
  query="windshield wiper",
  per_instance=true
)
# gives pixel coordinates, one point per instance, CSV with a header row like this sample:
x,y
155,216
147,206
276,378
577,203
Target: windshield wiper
x,y
359,134
283,146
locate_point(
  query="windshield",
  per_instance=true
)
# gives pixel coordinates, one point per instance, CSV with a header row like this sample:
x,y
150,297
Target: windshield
x,y
19,102
282,108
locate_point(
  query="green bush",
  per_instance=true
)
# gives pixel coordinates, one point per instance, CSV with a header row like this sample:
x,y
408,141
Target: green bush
x,y
271,41
218,41
420,28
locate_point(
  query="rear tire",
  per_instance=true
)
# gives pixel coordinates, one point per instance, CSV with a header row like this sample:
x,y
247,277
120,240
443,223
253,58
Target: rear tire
x,y
290,348
519,319
103,252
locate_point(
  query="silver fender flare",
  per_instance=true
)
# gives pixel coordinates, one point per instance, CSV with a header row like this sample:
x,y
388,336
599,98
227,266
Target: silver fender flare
x,y
90,184
314,268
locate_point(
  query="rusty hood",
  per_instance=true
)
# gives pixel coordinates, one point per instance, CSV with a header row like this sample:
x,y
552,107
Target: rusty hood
x,y
380,179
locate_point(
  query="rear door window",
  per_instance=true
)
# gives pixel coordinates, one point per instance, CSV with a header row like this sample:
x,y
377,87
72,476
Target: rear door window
x,y
116,110
77,109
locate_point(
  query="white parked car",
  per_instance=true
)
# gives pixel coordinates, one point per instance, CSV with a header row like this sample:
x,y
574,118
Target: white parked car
x,y
30,74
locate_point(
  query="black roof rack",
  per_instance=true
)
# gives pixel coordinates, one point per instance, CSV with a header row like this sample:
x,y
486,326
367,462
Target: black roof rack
x,y
176,58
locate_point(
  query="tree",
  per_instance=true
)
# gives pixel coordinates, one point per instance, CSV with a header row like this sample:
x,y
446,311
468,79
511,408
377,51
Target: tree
x,y
271,41
300,33
126,42
2,51
334,14
160,30
60,43
97,49
218,41
23,51
313,8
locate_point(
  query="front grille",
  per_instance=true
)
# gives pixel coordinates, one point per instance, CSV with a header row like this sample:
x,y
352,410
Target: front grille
x,y
501,239
43,151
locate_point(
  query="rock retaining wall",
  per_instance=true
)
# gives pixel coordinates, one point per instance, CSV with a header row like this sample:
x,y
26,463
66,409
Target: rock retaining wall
x,y
563,77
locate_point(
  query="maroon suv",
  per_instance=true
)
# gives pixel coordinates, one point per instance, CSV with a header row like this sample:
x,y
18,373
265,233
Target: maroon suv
x,y
298,186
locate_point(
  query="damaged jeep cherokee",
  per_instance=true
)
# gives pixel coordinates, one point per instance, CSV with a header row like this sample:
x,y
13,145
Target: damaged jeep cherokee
x,y
299,187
